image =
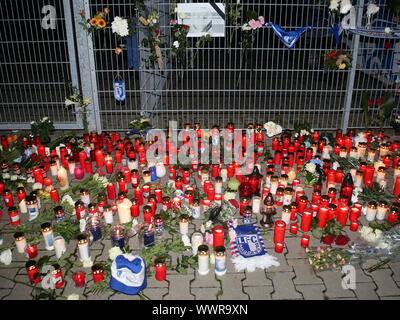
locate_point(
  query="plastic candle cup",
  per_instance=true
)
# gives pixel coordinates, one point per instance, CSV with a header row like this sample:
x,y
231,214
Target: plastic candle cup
x,y
279,247
79,278
306,219
47,232
203,256
220,260
256,204
197,240
20,241
218,236
279,231
83,247
294,228
124,211
354,225
184,224
59,246
32,271
371,211
305,240
97,272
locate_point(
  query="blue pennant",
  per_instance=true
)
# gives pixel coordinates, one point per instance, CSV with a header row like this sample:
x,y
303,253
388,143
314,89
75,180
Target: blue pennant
x,y
132,48
119,90
289,38
335,30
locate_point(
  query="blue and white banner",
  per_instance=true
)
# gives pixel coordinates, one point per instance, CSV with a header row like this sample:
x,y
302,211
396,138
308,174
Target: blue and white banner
x,y
119,90
289,38
248,250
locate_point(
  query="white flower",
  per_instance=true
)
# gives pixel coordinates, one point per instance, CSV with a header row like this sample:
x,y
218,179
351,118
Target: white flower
x,y
73,296
176,44
14,177
208,223
120,26
154,21
246,27
68,102
87,263
212,258
176,10
82,225
6,257
345,6
45,119
114,252
67,198
388,30
6,175
310,167
186,240
33,122
30,180
334,5
229,195
37,186
183,15
372,9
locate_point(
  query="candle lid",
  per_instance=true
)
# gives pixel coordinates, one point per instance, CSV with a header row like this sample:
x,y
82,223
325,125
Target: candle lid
x,y
82,238
202,249
159,262
97,268
19,236
46,226
30,265
219,251
58,209
183,218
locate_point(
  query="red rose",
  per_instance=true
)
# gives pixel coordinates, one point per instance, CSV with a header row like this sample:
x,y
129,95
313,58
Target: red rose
x,y
388,45
327,239
82,12
378,102
185,27
341,240
157,32
370,103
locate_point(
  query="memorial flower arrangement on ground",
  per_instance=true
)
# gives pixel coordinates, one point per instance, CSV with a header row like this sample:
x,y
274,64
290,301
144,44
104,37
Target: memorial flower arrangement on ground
x,y
337,60
322,258
43,128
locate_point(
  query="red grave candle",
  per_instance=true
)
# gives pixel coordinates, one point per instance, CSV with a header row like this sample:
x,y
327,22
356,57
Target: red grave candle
x,y
305,240
32,271
279,247
8,198
211,193
79,279
88,166
322,215
279,231
31,251
21,194
111,192
82,157
161,269
342,214
158,194
139,195
396,190
118,156
294,228
54,195
172,172
38,175
218,236
97,273
99,158
354,213
306,220
135,208
146,191
354,225
369,176
207,184
231,170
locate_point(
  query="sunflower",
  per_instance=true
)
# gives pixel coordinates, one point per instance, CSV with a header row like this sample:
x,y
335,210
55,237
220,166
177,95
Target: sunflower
x,y
101,23
93,21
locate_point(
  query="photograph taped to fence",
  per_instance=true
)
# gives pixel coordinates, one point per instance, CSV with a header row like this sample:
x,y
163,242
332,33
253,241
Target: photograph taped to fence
x,y
202,18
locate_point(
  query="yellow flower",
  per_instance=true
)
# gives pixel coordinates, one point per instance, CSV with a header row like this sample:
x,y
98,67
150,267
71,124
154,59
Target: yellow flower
x,y
86,101
93,21
342,66
101,23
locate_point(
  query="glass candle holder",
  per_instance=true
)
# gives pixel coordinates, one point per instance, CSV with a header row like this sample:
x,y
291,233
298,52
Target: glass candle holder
x,y
79,278
118,235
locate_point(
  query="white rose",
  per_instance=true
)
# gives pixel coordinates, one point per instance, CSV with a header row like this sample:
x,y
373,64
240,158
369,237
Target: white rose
x,y
388,30
246,27
334,5
310,167
176,44
87,263
6,176
30,180
345,6
6,257
372,9
114,252
229,195
186,240
120,26
183,15
73,296
14,177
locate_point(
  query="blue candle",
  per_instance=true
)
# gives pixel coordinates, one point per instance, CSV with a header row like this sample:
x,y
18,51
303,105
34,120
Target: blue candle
x,y
153,173
119,241
96,232
148,238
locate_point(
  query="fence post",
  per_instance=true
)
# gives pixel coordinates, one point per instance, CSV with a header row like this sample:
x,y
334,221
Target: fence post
x,y
87,65
72,51
350,82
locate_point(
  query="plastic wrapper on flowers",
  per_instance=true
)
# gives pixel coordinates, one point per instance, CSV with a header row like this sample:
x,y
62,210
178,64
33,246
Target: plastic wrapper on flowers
x,y
325,258
387,248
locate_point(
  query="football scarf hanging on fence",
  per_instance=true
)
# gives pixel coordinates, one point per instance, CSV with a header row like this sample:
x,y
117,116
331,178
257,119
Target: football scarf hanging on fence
x,y
119,88
128,274
289,38
248,250
132,48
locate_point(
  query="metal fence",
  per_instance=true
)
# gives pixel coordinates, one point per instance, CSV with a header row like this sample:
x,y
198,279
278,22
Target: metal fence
x,y
219,82
37,59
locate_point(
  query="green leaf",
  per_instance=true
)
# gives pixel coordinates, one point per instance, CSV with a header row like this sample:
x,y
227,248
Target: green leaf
x,y
317,233
42,261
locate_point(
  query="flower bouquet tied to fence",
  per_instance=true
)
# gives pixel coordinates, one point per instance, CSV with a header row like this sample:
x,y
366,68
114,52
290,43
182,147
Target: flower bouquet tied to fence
x,y
122,28
97,23
337,60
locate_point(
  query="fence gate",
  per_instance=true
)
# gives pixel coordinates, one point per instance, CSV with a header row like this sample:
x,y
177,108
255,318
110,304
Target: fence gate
x,y
37,58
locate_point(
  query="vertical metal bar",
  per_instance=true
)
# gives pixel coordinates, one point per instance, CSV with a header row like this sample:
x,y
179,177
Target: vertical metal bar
x,y
350,83
71,51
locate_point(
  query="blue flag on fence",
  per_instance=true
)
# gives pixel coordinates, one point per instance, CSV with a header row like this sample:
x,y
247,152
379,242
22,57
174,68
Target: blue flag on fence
x,y
289,38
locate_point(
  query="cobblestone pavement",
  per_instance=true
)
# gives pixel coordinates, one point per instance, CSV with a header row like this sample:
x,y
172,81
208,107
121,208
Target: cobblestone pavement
x,y
293,279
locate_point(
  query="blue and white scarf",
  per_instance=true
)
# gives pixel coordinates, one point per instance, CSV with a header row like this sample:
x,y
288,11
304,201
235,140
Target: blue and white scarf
x,y
289,38
248,250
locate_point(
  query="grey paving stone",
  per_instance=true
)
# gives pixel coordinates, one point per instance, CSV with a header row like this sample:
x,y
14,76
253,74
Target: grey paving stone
x,y
333,284
259,292
386,285
20,292
179,288
152,282
304,272
256,278
395,267
232,287
366,291
312,291
4,293
122,296
284,286
205,293
294,248
205,281
284,266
